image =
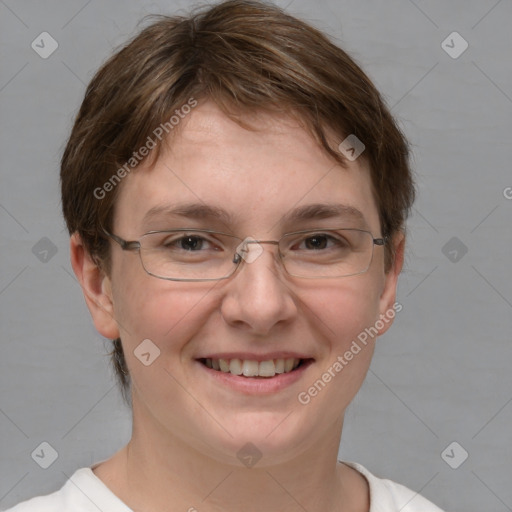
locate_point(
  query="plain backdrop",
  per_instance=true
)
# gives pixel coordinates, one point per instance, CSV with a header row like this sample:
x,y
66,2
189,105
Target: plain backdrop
x,y
440,376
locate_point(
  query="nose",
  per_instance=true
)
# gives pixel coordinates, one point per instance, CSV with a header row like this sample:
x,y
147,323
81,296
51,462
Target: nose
x,y
257,297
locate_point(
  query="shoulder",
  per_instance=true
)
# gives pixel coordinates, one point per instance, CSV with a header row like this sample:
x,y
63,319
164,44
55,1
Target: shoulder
x,y
389,496
82,492
48,503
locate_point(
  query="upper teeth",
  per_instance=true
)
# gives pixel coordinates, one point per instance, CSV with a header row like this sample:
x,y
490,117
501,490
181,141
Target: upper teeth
x,y
250,368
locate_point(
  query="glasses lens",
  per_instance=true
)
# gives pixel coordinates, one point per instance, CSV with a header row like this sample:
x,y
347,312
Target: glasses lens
x,y
194,255
327,253
188,255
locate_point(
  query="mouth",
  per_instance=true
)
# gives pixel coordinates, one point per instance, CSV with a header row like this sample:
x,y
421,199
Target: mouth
x,y
253,369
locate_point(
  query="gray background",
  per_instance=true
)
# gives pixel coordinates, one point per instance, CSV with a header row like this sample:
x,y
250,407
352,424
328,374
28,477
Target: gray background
x,y
441,374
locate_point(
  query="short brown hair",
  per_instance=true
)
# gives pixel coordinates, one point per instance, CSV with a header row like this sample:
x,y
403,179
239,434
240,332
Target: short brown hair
x,y
246,56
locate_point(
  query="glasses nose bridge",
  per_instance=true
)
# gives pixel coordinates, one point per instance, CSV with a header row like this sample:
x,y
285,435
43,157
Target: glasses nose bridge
x,y
259,242
274,242
238,257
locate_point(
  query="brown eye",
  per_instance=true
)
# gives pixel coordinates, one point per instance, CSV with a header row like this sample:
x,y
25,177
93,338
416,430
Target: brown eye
x,y
316,242
320,241
190,243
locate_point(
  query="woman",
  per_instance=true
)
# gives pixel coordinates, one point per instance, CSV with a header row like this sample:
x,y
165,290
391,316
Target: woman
x,y
236,192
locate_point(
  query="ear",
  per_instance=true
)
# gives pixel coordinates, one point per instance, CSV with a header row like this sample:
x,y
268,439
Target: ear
x,y
388,306
96,287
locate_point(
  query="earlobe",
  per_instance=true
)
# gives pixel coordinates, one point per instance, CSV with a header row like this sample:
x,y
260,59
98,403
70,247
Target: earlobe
x,y
96,287
388,306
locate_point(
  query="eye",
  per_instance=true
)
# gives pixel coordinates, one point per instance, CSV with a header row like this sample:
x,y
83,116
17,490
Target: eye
x,y
320,241
190,243
316,242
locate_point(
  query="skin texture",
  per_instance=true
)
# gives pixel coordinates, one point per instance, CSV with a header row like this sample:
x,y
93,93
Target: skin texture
x,y
187,427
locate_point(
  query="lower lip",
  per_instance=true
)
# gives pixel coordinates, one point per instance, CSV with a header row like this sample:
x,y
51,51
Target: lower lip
x,y
258,385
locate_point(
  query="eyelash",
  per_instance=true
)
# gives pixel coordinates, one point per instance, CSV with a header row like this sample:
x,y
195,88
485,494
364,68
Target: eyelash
x,y
198,237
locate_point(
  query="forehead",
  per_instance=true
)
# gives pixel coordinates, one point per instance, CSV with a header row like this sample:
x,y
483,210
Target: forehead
x,y
273,175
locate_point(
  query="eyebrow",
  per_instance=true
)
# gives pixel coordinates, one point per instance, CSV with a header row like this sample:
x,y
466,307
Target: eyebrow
x,y
323,211
196,211
200,211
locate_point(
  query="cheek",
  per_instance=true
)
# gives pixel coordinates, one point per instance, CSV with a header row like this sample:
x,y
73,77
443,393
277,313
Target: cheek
x,y
165,312
344,310
343,317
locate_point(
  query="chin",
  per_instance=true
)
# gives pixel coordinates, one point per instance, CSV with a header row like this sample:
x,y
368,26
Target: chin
x,y
261,438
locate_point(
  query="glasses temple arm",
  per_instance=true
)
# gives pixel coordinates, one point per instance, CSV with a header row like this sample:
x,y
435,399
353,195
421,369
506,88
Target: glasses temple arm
x,y
125,244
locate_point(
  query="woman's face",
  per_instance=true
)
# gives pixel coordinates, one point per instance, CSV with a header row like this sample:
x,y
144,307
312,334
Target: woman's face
x,y
259,179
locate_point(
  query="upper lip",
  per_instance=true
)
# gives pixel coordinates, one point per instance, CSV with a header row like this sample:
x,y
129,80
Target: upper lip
x,y
255,357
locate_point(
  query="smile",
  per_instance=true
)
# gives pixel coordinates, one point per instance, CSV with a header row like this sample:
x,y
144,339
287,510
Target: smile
x,y
251,368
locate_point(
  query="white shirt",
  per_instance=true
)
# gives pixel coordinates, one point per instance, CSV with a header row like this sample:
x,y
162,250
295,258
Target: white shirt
x,y
85,492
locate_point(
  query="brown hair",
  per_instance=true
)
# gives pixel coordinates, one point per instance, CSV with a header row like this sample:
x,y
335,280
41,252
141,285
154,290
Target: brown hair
x,y
246,56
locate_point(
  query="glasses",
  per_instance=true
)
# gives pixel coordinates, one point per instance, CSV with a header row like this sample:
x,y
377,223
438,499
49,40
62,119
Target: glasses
x,y
206,255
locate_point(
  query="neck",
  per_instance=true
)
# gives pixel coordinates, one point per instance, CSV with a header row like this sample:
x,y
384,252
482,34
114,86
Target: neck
x,y
158,471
